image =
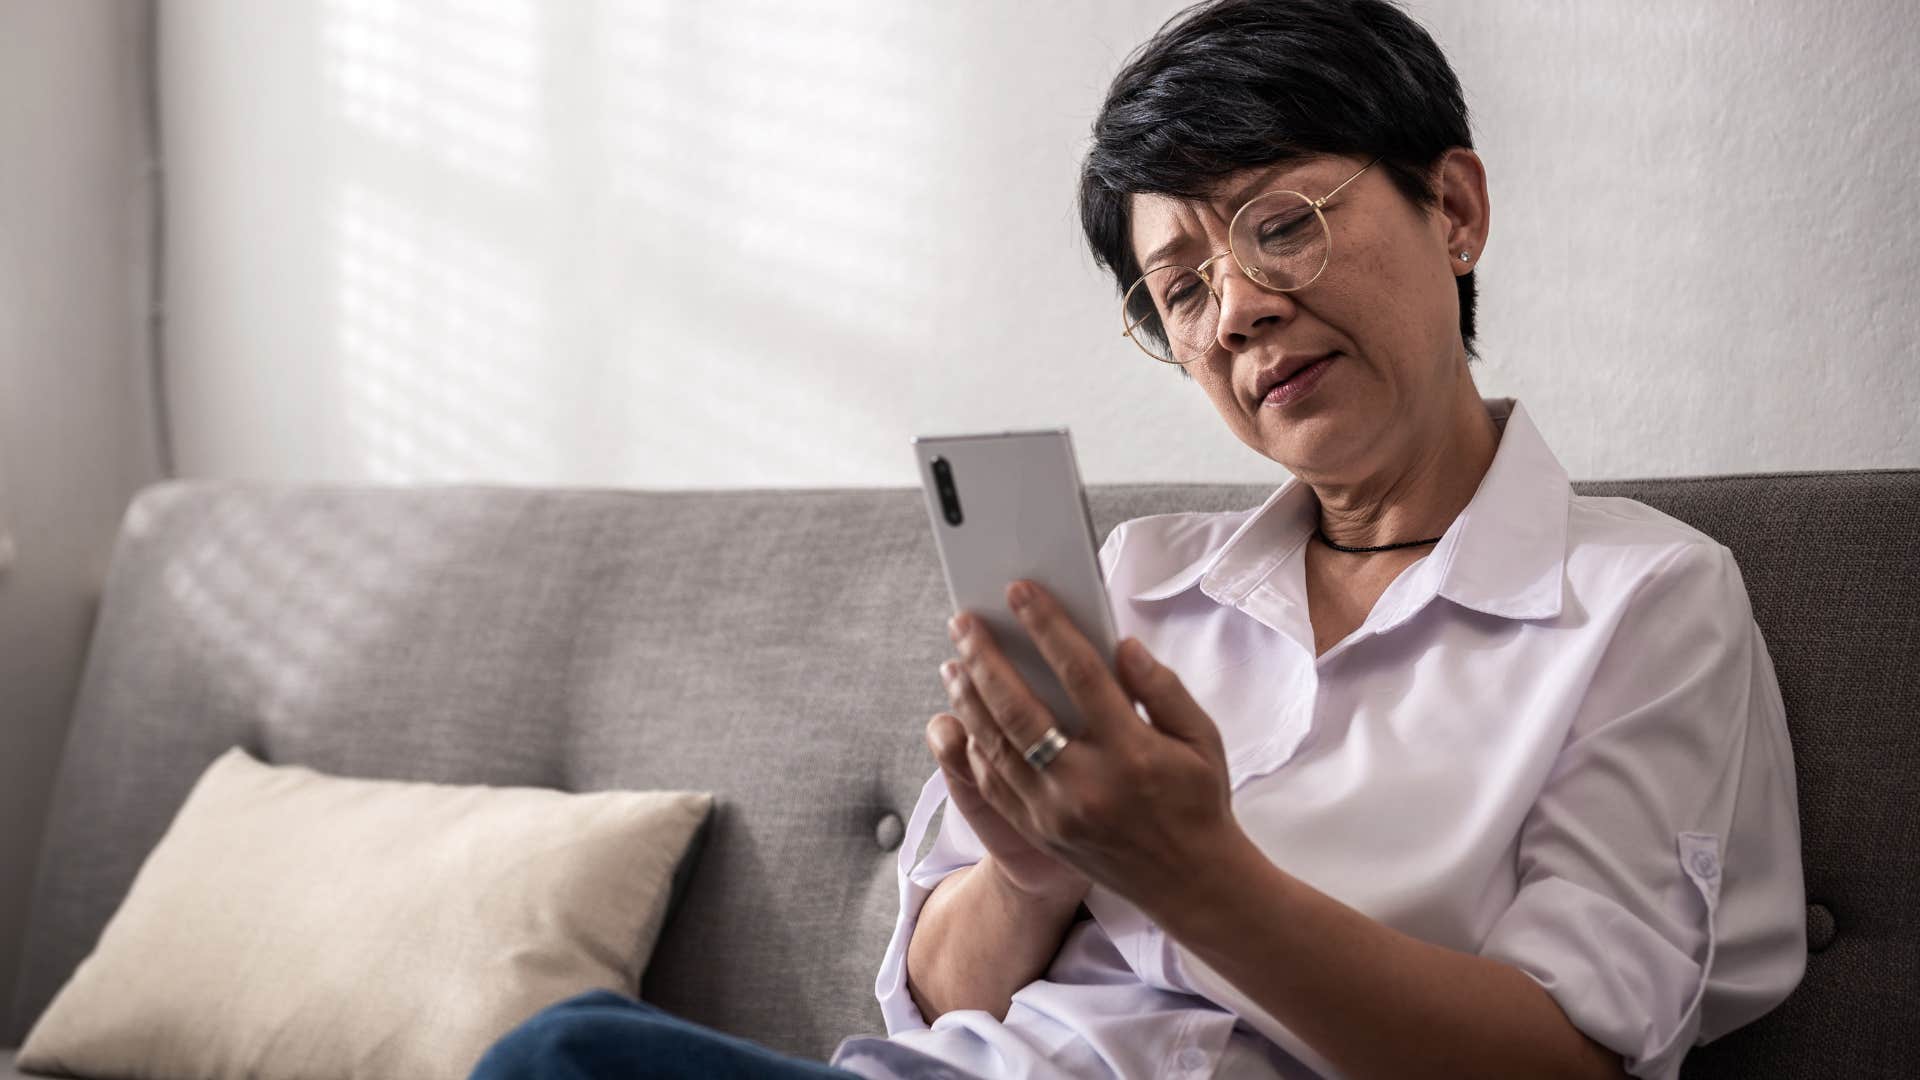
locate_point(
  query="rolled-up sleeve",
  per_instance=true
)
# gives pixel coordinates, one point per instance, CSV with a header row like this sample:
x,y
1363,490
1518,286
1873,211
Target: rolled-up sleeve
x,y
1660,896
955,846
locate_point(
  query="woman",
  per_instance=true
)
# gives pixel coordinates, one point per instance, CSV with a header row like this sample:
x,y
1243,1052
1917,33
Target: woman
x,y
1449,770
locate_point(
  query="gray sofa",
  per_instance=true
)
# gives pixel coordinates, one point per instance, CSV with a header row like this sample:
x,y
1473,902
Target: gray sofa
x,y
779,648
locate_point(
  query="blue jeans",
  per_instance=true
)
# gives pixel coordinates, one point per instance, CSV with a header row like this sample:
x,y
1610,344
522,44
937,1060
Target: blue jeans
x,y
602,1035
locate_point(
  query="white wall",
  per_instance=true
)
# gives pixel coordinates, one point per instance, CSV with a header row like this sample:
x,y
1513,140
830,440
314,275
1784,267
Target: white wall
x,y
762,242
1706,227
76,431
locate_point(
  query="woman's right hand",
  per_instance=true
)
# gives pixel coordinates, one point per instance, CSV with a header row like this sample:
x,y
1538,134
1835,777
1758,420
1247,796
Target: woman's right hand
x,y
1026,868
989,929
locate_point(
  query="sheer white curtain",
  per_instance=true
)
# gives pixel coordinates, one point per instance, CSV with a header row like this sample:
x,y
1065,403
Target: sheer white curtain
x,y
78,429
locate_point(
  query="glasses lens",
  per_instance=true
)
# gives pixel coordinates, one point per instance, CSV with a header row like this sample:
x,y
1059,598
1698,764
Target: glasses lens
x,y
1171,313
1280,240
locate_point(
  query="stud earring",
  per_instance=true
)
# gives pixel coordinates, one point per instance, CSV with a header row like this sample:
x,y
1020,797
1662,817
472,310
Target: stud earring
x,y
1466,256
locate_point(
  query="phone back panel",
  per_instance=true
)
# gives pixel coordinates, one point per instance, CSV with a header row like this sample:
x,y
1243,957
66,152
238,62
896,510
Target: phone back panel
x,y
1023,515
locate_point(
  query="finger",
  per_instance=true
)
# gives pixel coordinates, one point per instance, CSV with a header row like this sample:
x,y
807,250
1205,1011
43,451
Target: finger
x,y
1169,705
988,748
1082,671
947,740
993,785
967,707
1007,700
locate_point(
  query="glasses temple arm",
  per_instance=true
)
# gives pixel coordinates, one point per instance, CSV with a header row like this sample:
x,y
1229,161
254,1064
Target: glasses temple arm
x,y
1322,200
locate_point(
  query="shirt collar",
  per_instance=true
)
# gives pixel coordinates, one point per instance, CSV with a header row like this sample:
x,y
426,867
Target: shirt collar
x,y
1505,555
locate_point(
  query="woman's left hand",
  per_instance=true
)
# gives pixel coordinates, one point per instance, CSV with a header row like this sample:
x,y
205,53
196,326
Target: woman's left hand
x,y
1144,810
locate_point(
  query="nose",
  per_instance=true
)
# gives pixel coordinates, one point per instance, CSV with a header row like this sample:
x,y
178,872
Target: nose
x,y
1248,311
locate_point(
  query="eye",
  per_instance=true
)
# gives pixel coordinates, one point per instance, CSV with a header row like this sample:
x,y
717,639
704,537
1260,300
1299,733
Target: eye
x,y
1288,226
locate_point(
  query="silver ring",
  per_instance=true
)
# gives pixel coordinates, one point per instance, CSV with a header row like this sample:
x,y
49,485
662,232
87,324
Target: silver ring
x,y
1045,748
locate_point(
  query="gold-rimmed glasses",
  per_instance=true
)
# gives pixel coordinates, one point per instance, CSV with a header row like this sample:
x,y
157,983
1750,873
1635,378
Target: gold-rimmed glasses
x,y
1279,240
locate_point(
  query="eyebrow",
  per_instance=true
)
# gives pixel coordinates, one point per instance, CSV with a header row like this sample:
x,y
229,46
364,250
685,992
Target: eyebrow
x,y
1237,199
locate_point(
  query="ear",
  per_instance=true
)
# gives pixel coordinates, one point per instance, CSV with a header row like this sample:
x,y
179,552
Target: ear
x,y
1460,181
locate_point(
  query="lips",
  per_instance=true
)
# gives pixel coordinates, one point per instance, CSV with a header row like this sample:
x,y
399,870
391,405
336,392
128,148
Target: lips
x,y
1280,373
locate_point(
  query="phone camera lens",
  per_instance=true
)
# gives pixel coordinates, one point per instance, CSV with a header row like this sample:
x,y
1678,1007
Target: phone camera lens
x,y
949,497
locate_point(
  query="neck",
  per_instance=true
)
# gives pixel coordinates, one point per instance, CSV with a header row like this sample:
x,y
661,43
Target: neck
x,y
1418,495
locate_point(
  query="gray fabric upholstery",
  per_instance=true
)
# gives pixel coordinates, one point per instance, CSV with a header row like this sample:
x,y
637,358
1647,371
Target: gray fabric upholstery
x,y
779,648
7,1071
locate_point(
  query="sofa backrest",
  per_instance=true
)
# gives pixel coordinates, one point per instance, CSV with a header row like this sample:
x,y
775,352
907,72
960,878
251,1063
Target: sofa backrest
x,y
779,649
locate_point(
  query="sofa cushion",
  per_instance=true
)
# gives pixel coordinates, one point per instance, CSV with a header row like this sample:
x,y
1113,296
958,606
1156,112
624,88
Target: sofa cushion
x,y
291,924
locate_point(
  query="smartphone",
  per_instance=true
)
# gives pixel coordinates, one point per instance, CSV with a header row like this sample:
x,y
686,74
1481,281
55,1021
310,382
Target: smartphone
x,y
1008,506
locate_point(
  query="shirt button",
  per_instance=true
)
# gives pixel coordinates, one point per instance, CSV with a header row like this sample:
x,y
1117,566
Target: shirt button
x,y
1705,864
1192,1059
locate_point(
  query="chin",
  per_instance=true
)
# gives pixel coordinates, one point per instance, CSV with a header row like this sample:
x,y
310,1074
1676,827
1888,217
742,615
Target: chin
x,y
1314,445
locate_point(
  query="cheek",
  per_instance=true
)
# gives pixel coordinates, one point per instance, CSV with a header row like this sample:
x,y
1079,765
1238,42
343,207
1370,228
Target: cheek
x,y
1391,303
1217,384
1214,383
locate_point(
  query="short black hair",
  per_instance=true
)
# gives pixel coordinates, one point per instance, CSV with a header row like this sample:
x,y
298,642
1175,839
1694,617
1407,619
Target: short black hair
x,y
1231,84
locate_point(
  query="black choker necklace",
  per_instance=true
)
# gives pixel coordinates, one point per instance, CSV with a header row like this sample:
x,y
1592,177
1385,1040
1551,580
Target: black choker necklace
x,y
1370,550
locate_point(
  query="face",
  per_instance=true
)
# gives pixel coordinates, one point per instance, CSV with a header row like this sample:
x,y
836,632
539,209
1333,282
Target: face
x,y
1378,331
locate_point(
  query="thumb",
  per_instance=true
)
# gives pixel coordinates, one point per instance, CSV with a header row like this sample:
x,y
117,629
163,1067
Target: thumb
x,y
1172,710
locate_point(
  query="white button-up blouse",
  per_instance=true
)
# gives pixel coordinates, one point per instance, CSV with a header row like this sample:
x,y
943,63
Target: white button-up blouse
x,y
1556,741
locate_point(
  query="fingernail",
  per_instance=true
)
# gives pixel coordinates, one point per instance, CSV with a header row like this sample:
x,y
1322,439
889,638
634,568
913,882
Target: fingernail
x,y
957,626
1139,662
946,671
1018,595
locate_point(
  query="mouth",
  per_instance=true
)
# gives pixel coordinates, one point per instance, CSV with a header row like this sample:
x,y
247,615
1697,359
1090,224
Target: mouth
x,y
1288,374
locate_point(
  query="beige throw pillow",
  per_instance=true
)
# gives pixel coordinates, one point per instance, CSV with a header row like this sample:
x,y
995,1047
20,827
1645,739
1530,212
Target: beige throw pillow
x,y
291,924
